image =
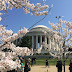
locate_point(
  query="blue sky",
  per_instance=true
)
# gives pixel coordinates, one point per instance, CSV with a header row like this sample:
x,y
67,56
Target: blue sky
x,y
19,20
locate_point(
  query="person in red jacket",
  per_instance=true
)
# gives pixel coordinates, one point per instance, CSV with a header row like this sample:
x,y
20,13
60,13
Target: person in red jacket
x,y
70,68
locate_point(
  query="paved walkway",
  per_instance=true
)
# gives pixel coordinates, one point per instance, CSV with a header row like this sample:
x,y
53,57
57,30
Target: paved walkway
x,y
45,69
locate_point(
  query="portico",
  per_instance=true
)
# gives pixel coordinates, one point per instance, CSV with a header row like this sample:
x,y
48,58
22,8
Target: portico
x,y
38,39
39,35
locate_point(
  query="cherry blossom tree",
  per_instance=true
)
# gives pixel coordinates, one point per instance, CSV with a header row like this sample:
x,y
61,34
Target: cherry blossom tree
x,y
7,36
62,33
33,9
6,58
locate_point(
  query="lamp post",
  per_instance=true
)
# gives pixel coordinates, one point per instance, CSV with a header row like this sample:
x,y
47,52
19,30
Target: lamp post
x,y
58,17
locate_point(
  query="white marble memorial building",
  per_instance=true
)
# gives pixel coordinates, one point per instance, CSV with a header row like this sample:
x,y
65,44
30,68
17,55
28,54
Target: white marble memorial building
x,y
39,34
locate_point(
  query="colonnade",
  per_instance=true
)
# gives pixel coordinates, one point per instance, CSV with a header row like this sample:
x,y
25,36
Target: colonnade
x,y
35,42
45,40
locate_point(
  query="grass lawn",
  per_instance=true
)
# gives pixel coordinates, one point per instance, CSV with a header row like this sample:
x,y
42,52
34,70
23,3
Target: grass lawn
x,y
42,61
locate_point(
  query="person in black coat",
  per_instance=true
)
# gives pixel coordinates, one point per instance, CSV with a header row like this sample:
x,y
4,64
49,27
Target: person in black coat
x,y
32,62
47,63
26,67
59,65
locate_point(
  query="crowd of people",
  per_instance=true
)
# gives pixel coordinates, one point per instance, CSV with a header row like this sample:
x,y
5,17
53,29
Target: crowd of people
x,y
28,62
59,65
31,61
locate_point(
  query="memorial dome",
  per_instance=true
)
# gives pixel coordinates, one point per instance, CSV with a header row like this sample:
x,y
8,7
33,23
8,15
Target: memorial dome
x,y
40,26
39,30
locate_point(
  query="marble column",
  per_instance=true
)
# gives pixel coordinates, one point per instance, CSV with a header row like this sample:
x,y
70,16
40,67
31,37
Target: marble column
x,y
36,41
45,39
56,45
40,40
49,42
53,42
33,42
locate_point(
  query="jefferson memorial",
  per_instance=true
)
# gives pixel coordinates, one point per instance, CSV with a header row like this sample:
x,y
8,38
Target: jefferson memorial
x,y
40,34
